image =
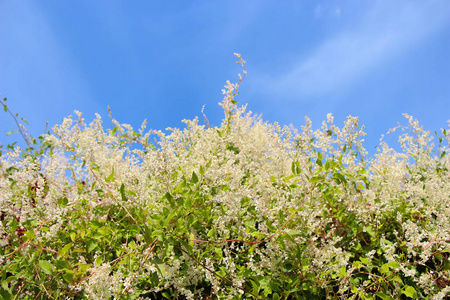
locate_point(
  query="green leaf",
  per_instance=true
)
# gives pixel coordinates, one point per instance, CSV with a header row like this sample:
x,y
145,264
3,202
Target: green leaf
x,y
319,162
188,203
91,245
132,245
319,156
257,234
191,238
364,260
159,265
83,268
63,252
384,296
194,178
63,201
296,168
275,296
5,285
409,291
288,267
211,232
384,268
369,230
392,264
340,177
169,198
316,179
68,276
98,261
398,279
14,225
30,224
110,177
256,286
98,235
29,235
218,251
270,226
61,265
157,233
46,267
122,192
292,232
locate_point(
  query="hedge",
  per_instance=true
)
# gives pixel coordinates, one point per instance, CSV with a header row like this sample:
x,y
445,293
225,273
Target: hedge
x,y
244,210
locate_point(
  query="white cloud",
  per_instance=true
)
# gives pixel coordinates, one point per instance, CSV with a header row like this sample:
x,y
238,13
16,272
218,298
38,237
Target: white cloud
x,y
385,31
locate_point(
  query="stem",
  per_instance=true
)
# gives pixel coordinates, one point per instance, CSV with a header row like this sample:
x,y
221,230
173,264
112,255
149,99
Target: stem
x,y
17,123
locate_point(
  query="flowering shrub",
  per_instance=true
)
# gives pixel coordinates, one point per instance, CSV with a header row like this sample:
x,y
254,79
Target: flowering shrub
x,y
247,210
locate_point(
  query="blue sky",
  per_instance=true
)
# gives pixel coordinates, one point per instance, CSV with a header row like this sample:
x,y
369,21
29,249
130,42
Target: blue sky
x,y
163,60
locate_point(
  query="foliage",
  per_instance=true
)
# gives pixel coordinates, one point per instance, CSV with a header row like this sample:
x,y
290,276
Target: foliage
x,y
247,210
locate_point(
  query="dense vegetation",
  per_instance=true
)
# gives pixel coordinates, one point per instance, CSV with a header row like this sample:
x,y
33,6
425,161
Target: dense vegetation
x,y
246,210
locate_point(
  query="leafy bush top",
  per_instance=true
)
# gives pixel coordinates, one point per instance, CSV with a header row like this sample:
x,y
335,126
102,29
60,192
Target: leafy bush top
x,y
245,210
